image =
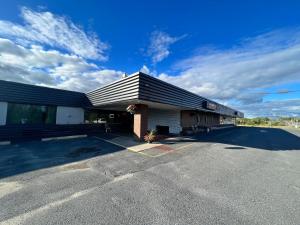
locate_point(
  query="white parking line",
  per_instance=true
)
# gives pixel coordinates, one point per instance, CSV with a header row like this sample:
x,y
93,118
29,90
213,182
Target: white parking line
x,y
122,146
183,147
21,218
111,142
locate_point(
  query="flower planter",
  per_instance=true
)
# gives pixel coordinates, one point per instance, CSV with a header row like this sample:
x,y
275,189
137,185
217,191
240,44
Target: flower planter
x,y
131,109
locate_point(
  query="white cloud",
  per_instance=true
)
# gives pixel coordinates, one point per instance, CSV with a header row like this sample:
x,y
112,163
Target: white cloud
x,y
88,81
160,43
289,107
145,69
33,53
55,31
237,74
148,71
35,65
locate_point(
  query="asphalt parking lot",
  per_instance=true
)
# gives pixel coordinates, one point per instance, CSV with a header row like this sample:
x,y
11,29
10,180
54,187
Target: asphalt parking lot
x,y
236,176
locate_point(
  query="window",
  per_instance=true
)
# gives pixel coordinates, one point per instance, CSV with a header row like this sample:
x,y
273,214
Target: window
x,y
91,117
30,114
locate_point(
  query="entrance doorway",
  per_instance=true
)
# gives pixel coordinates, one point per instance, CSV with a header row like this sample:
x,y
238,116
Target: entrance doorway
x,y
117,121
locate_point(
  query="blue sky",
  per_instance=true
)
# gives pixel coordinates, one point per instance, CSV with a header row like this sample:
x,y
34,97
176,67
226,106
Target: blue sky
x,y
240,53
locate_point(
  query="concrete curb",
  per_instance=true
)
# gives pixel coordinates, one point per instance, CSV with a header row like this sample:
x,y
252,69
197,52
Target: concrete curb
x,y
5,142
64,137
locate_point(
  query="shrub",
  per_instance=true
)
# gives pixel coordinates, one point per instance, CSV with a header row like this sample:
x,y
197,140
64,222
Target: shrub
x,y
150,136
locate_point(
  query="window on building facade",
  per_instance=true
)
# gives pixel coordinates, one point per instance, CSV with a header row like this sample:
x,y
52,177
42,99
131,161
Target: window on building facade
x,y
30,114
91,116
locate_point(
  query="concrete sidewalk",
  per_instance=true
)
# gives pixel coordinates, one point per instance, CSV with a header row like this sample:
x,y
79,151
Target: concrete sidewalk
x,y
150,149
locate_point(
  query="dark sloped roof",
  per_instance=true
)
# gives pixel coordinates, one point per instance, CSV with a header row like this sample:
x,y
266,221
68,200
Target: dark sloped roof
x,y
26,93
141,86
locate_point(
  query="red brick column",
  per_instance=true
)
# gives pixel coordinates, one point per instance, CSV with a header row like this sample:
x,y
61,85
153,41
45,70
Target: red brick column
x,y
140,122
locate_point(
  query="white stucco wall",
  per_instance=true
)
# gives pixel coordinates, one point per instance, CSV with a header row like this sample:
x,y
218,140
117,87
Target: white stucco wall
x,y
169,118
3,113
69,115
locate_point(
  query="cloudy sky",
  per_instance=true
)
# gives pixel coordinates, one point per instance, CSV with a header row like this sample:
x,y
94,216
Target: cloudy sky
x,y
243,55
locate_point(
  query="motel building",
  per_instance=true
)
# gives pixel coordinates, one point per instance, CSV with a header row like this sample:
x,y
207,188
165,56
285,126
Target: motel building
x,y
28,111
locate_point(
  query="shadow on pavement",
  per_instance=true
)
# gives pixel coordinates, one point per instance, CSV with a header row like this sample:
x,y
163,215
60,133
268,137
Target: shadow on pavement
x,y
273,139
238,148
28,156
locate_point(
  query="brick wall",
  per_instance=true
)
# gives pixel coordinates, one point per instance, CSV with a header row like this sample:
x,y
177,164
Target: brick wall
x,y
161,117
191,118
140,119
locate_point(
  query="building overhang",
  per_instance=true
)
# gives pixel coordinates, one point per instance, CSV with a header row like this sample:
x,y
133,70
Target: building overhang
x,y
141,88
122,105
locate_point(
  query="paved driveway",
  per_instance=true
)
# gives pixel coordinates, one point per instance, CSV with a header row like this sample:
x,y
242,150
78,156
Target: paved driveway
x,y
237,176
29,156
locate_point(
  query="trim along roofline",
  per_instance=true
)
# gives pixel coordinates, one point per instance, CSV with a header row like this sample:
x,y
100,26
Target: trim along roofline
x,y
136,87
141,86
